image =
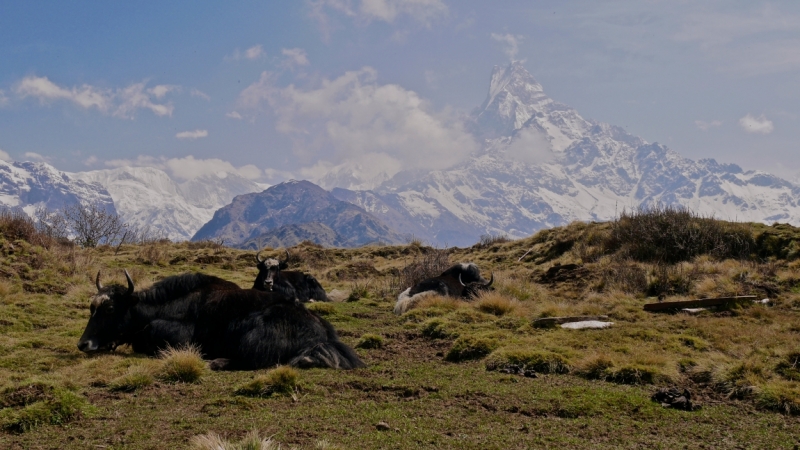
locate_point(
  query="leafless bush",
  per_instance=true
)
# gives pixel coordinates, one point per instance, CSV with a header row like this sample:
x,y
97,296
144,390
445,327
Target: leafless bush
x,y
17,225
489,239
51,223
206,243
626,276
92,225
427,265
671,234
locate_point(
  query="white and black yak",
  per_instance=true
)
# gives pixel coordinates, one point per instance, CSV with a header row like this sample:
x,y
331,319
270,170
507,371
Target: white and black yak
x,y
460,281
237,329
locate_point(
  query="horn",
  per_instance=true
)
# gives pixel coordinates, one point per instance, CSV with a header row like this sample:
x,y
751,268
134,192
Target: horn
x,y
491,280
97,281
258,258
286,261
459,280
130,282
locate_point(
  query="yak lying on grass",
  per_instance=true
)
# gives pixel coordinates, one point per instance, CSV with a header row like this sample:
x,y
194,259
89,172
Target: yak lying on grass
x,y
272,277
463,280
237,329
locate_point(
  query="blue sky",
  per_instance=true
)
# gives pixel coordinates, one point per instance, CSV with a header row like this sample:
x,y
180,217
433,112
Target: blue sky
x,y
290,88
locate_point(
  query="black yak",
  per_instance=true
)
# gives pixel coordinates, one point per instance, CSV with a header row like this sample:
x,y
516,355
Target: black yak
x,y
461,281
237,329
272,277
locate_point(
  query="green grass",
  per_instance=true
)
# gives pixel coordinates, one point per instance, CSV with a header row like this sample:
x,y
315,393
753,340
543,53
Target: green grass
x,y
428,378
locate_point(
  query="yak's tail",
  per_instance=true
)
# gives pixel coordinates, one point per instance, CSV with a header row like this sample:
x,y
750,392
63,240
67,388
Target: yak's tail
x,y
332,354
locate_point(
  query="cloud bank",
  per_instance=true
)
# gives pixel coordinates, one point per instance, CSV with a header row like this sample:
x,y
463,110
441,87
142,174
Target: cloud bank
x,y
705,126
511,43
188,167
121,102
253,53
760,124
354,117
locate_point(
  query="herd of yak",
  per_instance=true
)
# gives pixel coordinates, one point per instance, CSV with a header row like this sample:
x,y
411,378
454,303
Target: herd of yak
x,y
243,329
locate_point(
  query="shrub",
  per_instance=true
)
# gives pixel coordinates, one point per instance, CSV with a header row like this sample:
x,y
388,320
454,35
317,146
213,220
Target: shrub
x,y
370,341
671,234
182,365
430,264
16,225
281,380
542,361
29,406
490,239
470,347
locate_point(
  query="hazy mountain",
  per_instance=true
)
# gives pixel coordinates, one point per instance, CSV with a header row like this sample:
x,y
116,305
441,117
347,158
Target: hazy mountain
x,y
252,220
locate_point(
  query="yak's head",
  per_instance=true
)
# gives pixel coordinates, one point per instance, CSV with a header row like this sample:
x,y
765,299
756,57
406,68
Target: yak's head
x,y
268,269
109,308
471,290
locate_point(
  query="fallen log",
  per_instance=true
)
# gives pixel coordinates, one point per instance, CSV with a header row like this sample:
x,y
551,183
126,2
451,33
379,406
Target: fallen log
x,y
699,303
548,322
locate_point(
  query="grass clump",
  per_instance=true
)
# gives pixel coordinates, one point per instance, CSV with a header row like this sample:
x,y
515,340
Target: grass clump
x,y
281,380
136,378
252,441
496,304
436,328
370,340
542,361
358,290
471,347
182,365
323,309
789,366
781,396
28,406
603,368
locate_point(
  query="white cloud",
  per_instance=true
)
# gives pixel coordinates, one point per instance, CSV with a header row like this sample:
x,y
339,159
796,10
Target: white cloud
x,y
189,167
760,124
366,11
122,102
3,98
4,156
196,134
705,126
530,146
234,115
511,43
90,161
295,57
253,53
32,156
353,116
201,94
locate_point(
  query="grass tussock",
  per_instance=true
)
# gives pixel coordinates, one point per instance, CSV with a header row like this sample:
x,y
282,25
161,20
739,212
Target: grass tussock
x,y
27,406
541,361
182,365
437,328
252,441
137,377
471,347
281,380
496,304
603,367
789,366
781,396
370,340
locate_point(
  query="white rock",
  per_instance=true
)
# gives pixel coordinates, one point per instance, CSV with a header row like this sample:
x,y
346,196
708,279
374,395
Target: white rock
x,y
586,324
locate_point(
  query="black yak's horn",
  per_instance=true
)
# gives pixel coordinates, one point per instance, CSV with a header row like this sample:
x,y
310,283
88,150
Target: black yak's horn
x,y
286,261
459,280
491,280
258,258
130,282
97,282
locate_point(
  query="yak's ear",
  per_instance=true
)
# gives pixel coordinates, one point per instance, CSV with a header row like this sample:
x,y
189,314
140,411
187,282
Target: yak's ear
x,y
283,265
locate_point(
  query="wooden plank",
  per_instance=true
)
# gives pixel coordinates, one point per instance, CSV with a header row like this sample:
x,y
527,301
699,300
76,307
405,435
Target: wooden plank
x,y
699,303
547,322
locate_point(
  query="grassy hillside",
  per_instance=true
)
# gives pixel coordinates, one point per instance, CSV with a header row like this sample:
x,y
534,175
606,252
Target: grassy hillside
x,y
437,376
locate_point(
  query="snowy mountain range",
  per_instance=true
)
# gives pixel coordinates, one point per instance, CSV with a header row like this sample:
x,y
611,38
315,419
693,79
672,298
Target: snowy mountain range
x,y
540,165
544,165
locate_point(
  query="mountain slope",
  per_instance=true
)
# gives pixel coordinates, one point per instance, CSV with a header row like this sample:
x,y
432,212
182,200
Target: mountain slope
x,y
148,198
253,217
28,185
